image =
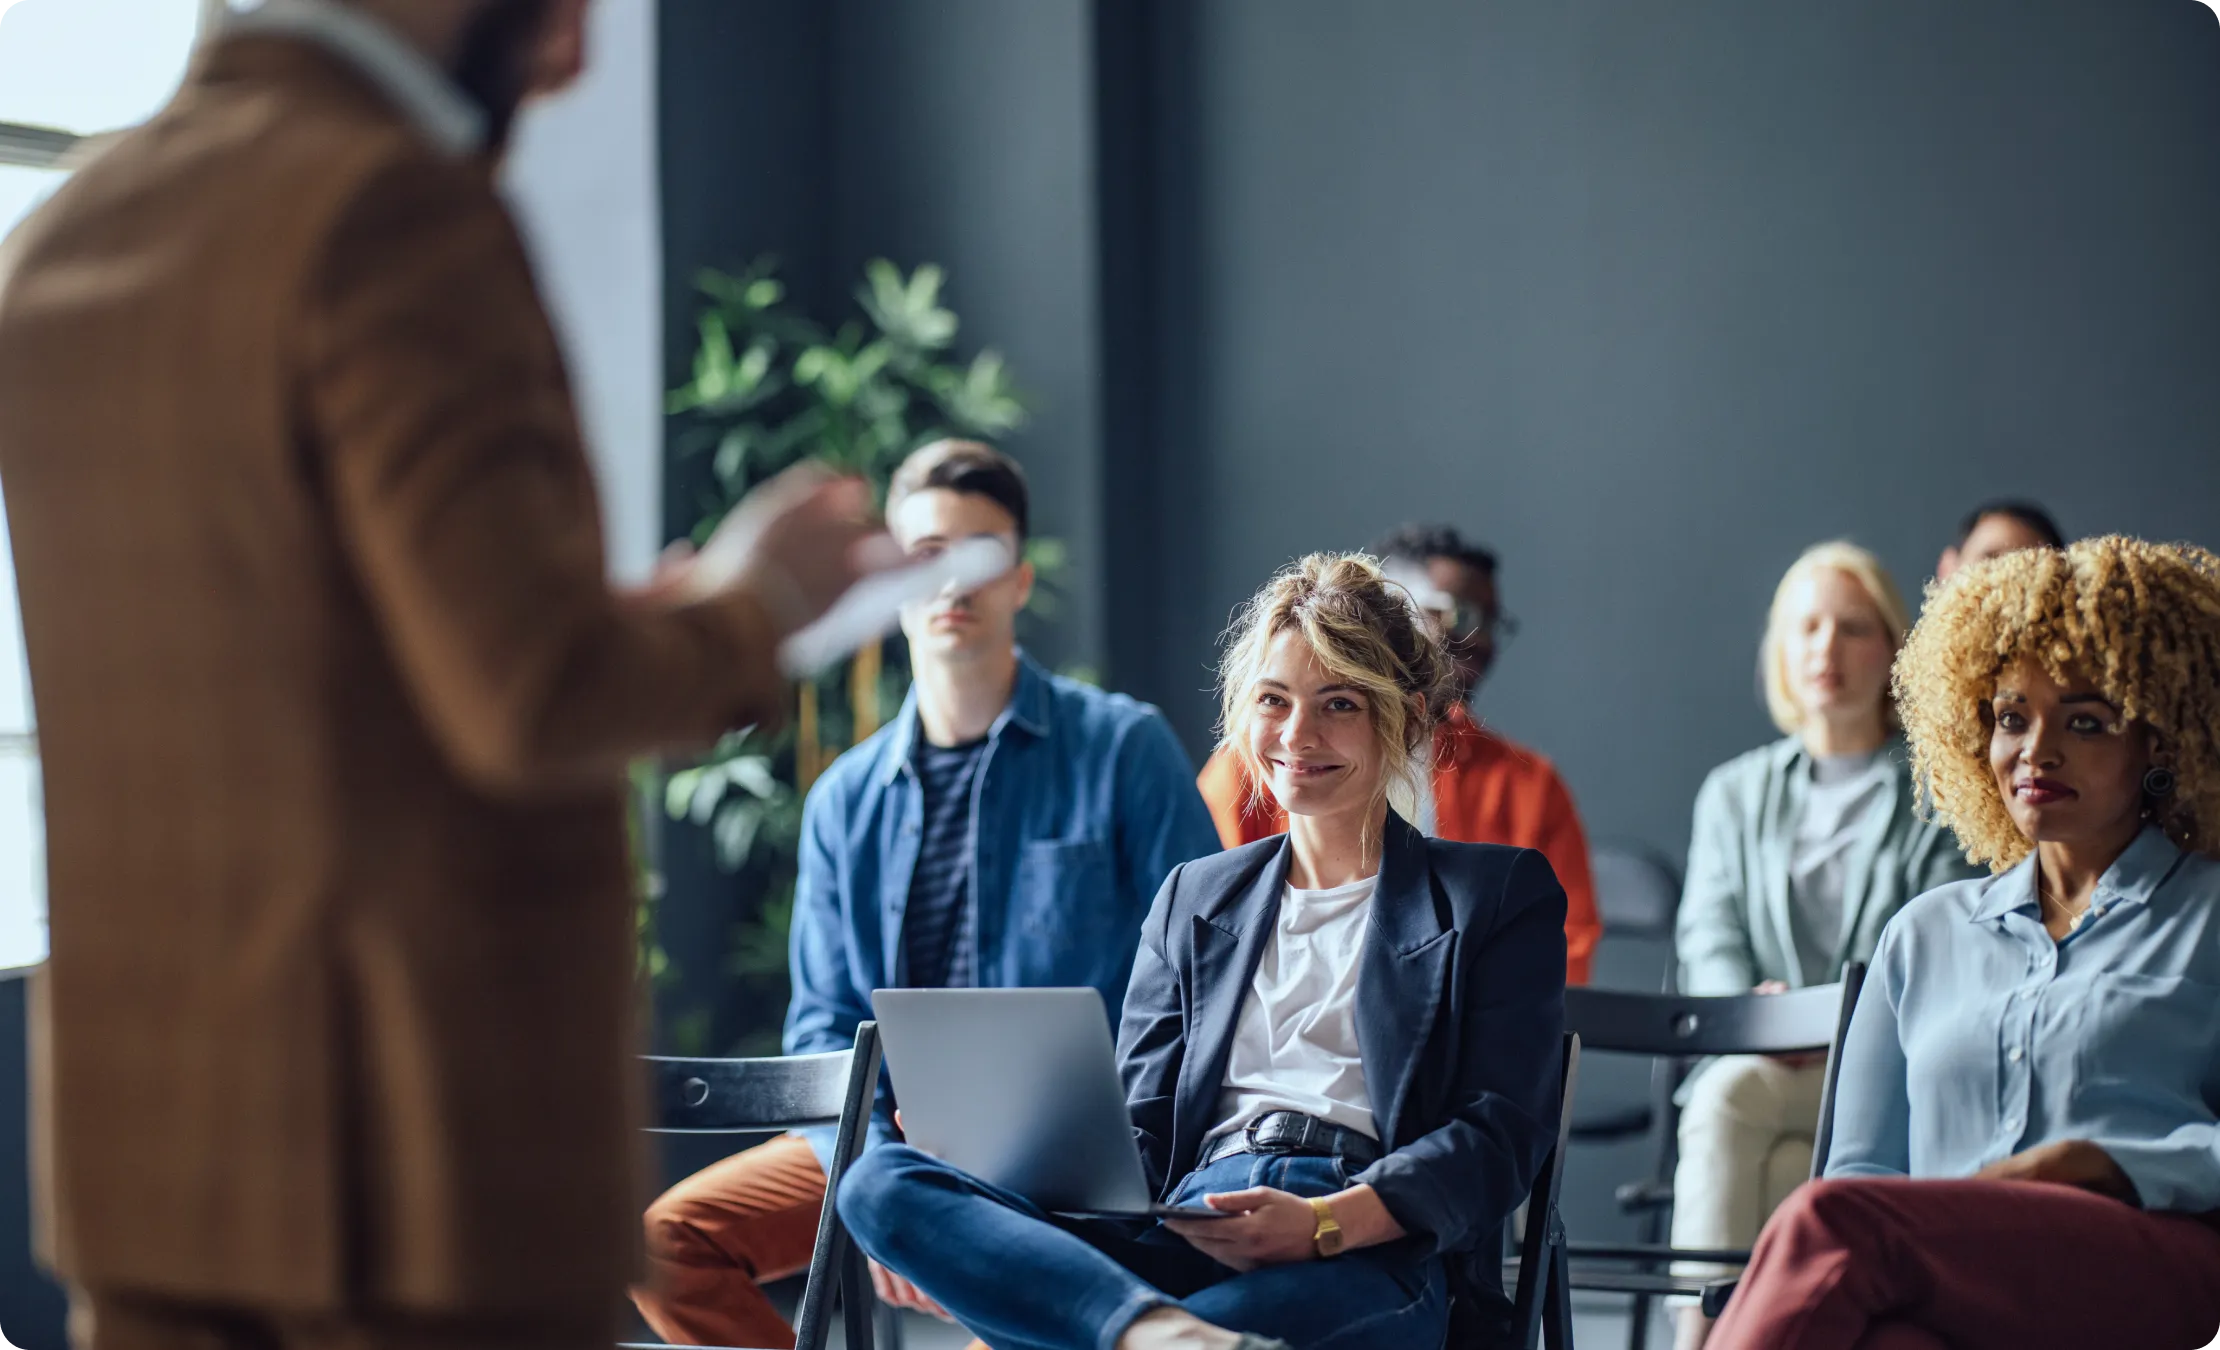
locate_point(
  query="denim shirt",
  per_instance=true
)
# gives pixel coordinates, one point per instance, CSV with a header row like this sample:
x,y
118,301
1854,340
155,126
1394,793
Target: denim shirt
x,y
1082,804
1977,1036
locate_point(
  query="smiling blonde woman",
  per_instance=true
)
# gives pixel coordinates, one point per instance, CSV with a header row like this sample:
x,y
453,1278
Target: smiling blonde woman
x,y
1345,1039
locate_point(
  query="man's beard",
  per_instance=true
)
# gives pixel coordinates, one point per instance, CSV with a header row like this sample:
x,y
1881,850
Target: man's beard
x,y
494,61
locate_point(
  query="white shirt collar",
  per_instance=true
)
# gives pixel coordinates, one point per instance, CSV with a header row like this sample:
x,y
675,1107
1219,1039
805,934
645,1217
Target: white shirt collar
x,y
446,116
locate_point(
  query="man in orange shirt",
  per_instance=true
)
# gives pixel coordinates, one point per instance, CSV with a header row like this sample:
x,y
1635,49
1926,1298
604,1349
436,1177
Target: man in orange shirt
x,y
1486,790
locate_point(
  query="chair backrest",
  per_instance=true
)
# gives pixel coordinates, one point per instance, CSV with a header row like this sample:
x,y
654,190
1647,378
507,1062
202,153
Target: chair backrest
x,y
747,1096
738,1096
1637,890
1853,982
1802,1020
1538,1251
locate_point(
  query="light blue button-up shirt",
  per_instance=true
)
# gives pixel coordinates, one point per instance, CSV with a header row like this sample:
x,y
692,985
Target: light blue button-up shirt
x,y
1978,1037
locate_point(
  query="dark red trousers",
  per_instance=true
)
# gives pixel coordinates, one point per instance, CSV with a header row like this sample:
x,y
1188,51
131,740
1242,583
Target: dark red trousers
x,y
1896,1264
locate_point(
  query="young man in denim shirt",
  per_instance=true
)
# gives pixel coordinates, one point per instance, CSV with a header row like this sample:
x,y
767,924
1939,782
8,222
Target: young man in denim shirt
x,y
1008,828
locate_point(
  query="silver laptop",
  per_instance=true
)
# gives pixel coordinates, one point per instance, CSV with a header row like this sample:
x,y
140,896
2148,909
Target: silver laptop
x,y
1019,1087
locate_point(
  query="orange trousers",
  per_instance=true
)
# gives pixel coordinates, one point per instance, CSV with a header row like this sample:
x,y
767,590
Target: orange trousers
x,y
716,1238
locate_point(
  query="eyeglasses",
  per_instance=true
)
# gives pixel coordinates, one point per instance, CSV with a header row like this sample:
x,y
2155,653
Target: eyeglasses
x,y
1468,621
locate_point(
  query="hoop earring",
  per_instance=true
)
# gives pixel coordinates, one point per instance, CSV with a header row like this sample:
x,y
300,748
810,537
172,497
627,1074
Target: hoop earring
x,y
2159,783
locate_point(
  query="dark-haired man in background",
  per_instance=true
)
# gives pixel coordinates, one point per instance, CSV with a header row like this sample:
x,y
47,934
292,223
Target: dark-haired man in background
x,y
1008,828
1996,528
1485,789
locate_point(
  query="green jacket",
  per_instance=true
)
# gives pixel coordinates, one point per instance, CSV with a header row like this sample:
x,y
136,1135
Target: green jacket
x,y
1733,930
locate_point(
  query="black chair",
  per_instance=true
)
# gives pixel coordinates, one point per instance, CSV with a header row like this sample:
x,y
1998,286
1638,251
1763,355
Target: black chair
x,y
1638,897
1637,889
768,1096
1679,1027
1538,1275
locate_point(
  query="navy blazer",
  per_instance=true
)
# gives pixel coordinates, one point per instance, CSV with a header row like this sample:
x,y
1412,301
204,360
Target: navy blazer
x,y
1460,1021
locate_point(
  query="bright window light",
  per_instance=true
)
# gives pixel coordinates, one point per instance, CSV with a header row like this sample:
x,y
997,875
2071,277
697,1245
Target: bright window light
x,y
91,65
22,823
22,189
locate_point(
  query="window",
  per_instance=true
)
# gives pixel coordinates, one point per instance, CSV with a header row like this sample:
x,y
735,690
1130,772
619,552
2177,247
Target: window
x,y
68,69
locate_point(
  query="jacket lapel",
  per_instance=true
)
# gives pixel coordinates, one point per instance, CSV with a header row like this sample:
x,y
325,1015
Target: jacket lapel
x,y
1228,943
1400,982
1784,806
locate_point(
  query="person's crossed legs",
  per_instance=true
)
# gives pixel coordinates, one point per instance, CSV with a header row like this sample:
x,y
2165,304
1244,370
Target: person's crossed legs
x,y
1022,1280
1872,1263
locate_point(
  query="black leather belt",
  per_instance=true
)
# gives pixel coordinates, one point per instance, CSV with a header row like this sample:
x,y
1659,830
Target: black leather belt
x,y
1284,1132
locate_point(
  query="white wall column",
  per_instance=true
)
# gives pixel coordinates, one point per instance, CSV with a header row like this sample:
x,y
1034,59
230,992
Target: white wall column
x,y
583,178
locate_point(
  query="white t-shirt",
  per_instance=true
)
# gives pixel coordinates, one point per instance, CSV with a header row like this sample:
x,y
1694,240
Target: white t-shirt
x,y
1295,1045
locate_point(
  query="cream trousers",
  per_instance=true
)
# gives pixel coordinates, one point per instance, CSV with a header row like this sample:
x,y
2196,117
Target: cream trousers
x,y
1745,1143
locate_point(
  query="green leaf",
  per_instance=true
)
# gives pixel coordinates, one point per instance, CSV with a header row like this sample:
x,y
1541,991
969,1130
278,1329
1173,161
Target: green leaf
x,y
753,775
678,794
707,794
755,365
734,832
732,456
908,312
1047,555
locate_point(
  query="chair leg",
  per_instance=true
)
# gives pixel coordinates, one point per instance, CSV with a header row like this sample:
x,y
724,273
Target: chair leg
x,y
1638,1329
1557,1332
858,1305
888,1319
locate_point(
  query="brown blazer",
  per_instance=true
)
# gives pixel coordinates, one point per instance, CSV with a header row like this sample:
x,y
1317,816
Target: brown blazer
x,y
334,701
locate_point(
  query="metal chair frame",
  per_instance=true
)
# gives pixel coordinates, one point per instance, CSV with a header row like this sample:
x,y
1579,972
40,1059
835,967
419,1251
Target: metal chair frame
x,y
774,1095
1803,1021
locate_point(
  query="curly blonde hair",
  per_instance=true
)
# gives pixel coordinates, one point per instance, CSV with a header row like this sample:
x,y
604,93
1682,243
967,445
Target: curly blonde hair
x,y
1366,632
2140,620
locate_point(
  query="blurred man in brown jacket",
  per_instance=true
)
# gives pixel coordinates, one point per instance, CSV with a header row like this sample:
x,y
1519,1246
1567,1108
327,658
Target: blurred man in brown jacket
x,y
334,702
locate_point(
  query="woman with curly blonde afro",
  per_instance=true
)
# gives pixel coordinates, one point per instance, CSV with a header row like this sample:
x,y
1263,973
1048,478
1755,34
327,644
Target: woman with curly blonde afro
x,y
2027,1134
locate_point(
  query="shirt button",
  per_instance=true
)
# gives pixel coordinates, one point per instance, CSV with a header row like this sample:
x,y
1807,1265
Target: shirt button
x,y
2013,1054
2012,1126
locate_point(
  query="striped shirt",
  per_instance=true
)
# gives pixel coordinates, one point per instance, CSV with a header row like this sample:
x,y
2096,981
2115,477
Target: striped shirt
x,y
939,927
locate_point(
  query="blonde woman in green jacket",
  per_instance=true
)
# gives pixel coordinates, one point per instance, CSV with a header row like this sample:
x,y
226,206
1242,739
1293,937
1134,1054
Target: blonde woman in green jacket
x,y
1800,852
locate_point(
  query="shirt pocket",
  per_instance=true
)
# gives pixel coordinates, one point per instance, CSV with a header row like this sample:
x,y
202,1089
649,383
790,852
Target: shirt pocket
x,y
1073,929
2145,1039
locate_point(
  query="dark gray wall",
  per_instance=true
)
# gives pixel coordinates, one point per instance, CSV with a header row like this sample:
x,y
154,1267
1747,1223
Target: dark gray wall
x,y
744,116
961,136
1651,297
830,132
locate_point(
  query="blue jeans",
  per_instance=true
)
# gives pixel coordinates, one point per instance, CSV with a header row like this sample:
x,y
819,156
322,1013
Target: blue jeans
x,y
1021,1279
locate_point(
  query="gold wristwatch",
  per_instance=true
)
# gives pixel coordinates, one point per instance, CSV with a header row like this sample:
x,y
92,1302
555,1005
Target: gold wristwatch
x,y
1328,1237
